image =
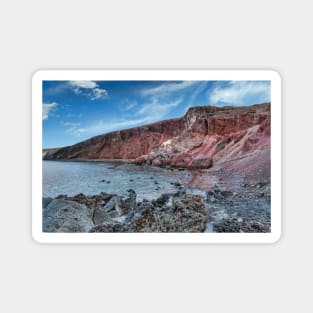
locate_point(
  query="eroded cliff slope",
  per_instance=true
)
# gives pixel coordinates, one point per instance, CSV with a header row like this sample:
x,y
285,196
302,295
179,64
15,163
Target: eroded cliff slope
x,y
206,136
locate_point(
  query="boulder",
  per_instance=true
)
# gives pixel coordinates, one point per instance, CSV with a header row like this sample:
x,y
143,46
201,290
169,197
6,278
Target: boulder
x,y
201,162
157,162
113,209
63,216
130,201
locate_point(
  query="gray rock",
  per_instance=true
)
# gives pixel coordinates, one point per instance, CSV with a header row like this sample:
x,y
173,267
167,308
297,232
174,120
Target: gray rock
x,y
46,201
109,227
113,209
63,216
131,200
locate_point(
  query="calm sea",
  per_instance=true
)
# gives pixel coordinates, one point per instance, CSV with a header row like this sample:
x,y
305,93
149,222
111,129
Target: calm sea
x,y
90,178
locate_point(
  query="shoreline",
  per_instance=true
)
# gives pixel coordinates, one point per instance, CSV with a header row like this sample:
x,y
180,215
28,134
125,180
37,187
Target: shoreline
x,y
184,211
130,161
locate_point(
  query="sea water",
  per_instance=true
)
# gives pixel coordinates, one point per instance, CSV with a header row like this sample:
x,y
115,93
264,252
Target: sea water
x,y
71,178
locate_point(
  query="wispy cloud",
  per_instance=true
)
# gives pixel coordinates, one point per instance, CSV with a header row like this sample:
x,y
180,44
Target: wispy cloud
x,y
127,104
70,124
87,84
73,128
130,106
76,131
167,88
157,110
105,126
200,88
240,93
47,108
150,112
88,88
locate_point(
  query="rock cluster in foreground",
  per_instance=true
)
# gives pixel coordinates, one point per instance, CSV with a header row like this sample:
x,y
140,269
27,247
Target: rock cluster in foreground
x,y
216,210
111,213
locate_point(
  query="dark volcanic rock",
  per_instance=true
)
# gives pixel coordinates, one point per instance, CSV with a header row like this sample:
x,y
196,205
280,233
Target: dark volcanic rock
x,y
109,227
90,201
246,209
169,213
185,213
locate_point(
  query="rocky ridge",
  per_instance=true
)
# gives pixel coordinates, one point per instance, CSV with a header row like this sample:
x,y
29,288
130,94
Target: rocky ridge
x,y
185,211
205,137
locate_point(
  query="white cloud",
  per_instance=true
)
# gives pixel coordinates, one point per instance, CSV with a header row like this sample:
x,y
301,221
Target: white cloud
x,y
88,88
241,93
98,93
76,131
130,106
202,85
70,124
103,126
46,108
167,88
157,110
73,128
149,113
88,84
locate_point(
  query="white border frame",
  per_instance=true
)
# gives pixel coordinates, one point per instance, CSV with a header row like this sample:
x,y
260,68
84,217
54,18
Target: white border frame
x,y
42,237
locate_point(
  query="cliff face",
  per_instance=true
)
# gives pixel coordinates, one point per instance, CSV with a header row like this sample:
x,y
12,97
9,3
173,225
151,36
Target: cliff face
x,y
204,137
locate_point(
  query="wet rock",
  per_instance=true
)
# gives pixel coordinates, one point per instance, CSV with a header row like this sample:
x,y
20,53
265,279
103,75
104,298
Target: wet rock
x,y
90,201
114,208
46,201
65,216
260,184
130,200
159,202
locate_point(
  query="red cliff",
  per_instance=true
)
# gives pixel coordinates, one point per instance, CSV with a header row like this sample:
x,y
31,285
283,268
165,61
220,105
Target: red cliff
x,y
206,136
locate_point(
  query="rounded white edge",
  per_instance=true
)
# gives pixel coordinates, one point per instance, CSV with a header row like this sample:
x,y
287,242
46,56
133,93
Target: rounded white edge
x,y
212,238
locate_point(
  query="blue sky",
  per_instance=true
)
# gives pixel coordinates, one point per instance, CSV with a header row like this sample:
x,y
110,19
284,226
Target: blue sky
x,y
77,110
